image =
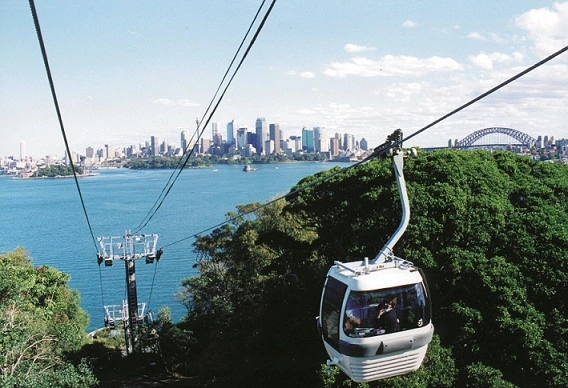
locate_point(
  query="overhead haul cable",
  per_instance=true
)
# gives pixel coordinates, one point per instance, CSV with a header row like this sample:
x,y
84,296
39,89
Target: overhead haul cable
x,y
55,101
59,117
170,183
385,147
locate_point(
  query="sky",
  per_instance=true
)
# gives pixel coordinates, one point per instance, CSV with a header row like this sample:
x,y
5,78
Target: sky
x,y
127,70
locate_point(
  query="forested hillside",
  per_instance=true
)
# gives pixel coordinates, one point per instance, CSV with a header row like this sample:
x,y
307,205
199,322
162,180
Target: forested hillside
x,y
489,229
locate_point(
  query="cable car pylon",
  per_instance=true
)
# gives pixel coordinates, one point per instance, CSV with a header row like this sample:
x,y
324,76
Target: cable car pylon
x,y
375,316
128,248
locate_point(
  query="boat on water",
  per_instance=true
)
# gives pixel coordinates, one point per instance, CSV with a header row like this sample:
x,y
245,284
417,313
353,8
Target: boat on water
x,y
248,168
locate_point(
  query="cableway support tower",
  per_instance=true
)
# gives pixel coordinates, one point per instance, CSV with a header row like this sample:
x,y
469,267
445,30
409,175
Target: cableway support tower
x,y
128,248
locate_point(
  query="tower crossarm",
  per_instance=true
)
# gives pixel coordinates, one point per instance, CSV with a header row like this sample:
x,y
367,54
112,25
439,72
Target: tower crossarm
x,y
128,247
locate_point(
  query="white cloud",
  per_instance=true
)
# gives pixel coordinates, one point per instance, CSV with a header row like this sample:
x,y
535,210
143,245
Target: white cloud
x,y
390,65
181,102
496,38
409,24
485,38
301,74
307,74
487,61
476,36
547,28
353,48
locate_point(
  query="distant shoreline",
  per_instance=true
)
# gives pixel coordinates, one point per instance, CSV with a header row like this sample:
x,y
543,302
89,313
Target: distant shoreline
x,y
50,177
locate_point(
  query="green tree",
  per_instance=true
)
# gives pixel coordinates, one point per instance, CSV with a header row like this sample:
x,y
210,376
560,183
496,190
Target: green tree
x,y
57,170
41,322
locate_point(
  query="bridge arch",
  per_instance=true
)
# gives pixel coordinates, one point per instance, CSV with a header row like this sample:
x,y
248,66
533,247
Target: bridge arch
x,y
522,137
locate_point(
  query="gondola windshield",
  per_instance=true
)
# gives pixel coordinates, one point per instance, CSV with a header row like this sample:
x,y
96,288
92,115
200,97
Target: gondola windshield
x,y
371,313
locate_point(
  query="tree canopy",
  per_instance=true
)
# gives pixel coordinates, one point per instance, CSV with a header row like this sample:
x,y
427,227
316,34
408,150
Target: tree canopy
x,y
56,170
40,323
489,229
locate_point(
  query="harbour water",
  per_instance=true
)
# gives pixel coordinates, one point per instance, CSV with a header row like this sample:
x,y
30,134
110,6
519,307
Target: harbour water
x,y
45,216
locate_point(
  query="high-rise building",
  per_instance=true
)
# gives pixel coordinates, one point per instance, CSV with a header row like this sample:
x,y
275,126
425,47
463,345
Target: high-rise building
x,y
241,137
89,152
308,140
22,150
339,140
132,150
321,143
154,146
364,144
348,142
164,147
205,145
269,146
109,152
217,139
275,136
261,130
214,129
231,132
292,145
184,140
297,143
334,146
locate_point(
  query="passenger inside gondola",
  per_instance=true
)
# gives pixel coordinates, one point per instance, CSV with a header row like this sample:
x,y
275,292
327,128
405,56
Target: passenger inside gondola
x,y
351,324
387,318
385,311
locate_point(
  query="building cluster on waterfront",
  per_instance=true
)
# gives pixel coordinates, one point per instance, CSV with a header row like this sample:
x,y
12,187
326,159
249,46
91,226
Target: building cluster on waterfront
x,y
236,142
265,139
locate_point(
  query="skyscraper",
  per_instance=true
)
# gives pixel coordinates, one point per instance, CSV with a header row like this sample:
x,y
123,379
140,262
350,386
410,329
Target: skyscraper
x,y
308,140
339,140
242,138
334,146
154,146
275,136
184,140
348,142
217,140
22,150
214,130
231,132
320,140
261,130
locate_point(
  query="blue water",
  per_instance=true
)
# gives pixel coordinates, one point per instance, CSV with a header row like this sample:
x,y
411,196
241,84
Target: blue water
x,y
46,218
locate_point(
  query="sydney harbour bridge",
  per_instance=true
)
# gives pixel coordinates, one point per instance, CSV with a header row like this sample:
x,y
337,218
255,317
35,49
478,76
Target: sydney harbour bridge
x,y
494,137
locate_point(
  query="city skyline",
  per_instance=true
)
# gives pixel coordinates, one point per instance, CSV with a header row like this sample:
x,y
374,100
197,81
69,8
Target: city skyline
x,y
312,141
121,76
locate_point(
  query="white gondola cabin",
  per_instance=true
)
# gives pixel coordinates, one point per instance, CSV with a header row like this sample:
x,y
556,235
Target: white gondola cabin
x,y
375,316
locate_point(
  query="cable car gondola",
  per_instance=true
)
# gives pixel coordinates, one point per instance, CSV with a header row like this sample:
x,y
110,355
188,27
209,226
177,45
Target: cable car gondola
x,y
375,316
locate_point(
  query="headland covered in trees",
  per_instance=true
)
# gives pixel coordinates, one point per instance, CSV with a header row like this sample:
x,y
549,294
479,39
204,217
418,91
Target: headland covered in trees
x,y
489,230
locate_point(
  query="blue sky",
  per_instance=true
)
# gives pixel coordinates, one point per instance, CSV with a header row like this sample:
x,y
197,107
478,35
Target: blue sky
x,y
127,70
